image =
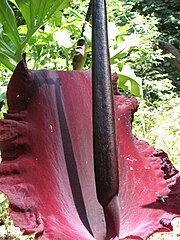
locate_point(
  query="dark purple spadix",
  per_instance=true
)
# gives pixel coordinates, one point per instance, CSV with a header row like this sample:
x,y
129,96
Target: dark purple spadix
x,y
104,138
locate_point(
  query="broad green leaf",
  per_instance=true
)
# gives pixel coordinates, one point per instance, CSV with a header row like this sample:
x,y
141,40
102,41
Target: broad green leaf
x,y
34,10
6,52
129,81
6,49
8,20
50,7
7,62
29,10
4,45
37,12
44,7
64,4
58,6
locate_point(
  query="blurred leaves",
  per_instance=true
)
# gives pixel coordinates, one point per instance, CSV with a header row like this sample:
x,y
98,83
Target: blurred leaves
x,y
36,13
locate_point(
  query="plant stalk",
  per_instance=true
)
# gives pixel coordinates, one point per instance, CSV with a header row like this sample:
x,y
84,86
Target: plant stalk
x,y
104,137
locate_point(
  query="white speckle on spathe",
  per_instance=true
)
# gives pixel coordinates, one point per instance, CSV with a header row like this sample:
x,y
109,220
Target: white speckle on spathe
x,y
51,128
17,95
131,168
135,160
146,167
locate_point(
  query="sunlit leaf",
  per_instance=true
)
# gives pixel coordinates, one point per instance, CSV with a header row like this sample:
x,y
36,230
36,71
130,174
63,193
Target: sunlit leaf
x,y
5,200
36,13
118,55
9,63
58,5
8,20
29,9
130,82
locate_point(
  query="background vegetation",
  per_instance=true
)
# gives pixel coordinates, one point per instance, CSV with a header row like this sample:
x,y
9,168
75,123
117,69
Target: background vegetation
x,y
144,46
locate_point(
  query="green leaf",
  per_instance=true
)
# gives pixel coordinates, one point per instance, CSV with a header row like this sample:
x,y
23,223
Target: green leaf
x,y
130,82
5,47
3,95
48,8
44,7
117,56
57,18
7,50
36,13
8,20
3,202
58,6
29,10
13,1
7,62
124,48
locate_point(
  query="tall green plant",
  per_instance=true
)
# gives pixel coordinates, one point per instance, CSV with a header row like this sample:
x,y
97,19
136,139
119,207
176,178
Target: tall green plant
x,y
36,13
14,39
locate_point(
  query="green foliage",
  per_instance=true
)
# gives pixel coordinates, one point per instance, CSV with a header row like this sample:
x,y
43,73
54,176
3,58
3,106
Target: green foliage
x,y
160,126
146,59
129,82
120,48
49,42
4,79
43,46
167,13
8,21
35,13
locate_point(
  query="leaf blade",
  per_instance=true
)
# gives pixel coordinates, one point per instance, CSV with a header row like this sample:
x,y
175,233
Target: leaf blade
x,y
7,62
24,7
129,81
8,20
